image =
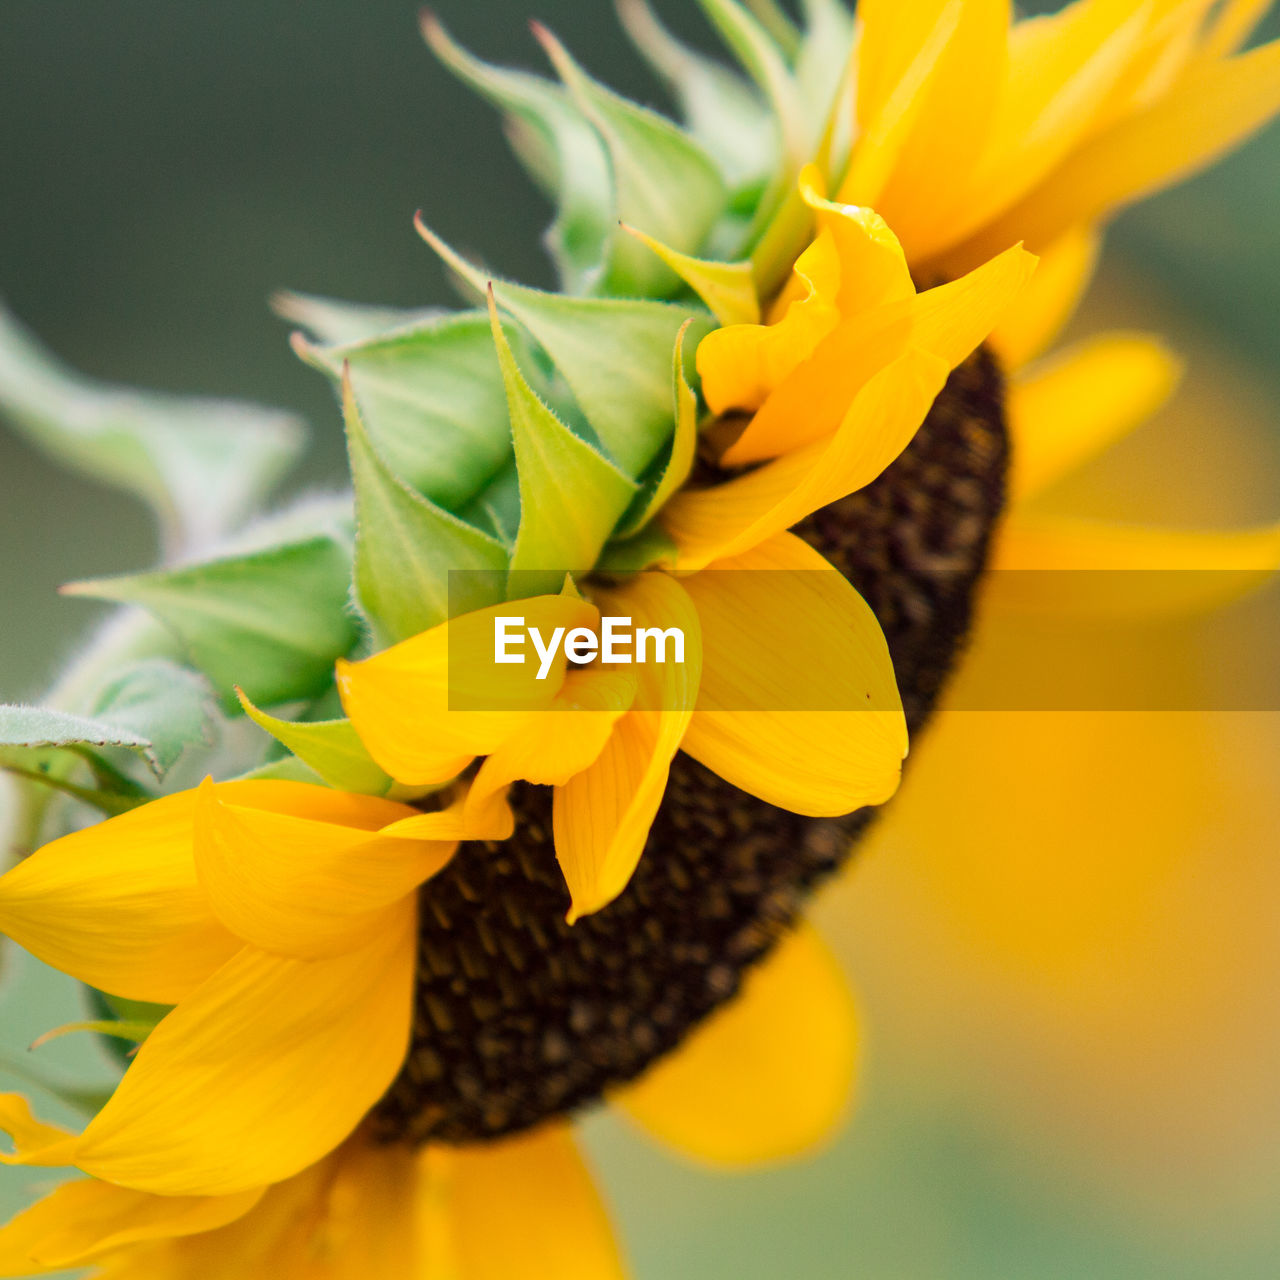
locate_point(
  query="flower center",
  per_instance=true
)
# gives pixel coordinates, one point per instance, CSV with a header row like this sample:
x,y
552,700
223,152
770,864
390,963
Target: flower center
x,y
519,1016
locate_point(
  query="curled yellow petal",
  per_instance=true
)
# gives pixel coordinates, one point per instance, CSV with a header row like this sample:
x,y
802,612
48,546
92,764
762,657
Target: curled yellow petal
x,y
602,815
873,268
949,321
740,365
729,518
769,1076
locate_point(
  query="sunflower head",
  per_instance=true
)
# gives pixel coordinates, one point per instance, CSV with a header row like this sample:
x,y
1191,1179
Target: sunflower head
x,y
768,409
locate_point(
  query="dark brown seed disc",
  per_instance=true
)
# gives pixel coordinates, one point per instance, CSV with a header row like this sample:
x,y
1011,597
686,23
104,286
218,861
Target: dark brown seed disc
x,y
520,1017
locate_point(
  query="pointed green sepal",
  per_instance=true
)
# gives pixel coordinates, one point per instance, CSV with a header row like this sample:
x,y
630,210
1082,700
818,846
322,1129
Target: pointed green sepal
x,y
613,353
431,400
272,620
721,110
665,183
763,60
571,497
823,64
728,288
684,446
562,152
332,748
201,465
406,545
287,769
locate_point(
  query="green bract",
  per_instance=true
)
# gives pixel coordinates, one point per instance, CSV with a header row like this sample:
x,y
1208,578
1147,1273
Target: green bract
x,y
532,434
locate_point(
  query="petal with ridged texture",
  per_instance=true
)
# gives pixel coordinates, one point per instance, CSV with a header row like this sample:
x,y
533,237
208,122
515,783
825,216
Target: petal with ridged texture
x,y
299,887
260,1072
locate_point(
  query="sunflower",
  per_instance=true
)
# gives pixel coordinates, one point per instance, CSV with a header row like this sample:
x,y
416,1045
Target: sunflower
x,y
474,964
608,753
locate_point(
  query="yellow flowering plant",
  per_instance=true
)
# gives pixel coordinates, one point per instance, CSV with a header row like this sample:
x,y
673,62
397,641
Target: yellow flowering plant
x,y
375,949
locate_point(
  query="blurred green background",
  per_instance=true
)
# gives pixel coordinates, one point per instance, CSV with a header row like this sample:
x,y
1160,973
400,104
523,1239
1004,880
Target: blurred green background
x,y
167,165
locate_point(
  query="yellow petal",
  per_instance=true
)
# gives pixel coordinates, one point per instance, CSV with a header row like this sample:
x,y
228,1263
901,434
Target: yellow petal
x,y
288,1235
559,742
873,268
949,322
1068,410
1049,299
1127,570
1234,24
740,365
460,821
299,887
768,1077
1209,112
118,905
951,119
260,1072
953,319
784,637
371,1232
899,51
1064,69
732,517
525,1208
412,704
1170,45
83,1220
728,288
602,815
33,1141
